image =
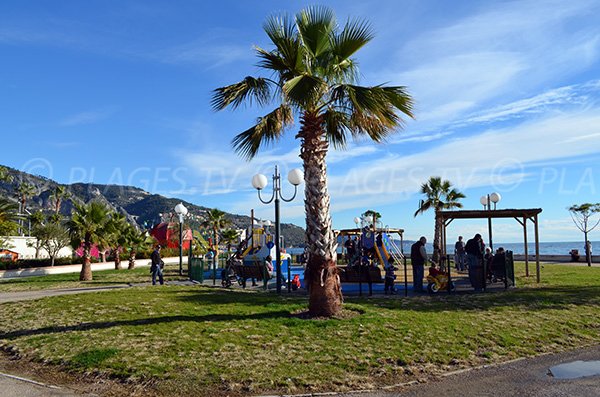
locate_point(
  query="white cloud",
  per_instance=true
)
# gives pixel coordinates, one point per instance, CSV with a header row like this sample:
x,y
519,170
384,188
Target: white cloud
x,y
501,51
87,117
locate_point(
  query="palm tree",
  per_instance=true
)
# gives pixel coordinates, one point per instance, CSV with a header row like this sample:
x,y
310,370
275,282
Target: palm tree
x,y
119,227
4,175
9,210
9,216
57,197
439,195
216,221
88,226
25,191
314,77
136,240
230,236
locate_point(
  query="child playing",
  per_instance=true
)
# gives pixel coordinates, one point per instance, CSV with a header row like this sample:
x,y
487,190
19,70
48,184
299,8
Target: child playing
x,y
390,277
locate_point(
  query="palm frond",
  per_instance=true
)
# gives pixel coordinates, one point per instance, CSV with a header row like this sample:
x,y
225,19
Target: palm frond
x,y
288,57
315,25
268,129
423,207
303,90
336,126
352,38
250,89
400,99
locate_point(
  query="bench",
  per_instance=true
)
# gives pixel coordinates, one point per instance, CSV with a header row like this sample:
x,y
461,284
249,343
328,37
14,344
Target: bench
x,y
244,272
363,274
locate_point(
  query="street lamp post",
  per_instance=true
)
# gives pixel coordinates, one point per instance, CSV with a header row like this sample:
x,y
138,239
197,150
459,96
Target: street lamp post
x,y
181,212
259,182
487,201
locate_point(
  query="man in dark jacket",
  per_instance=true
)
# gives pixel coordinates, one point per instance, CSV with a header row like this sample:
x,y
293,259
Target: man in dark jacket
x,y
474,249
156,266
418,257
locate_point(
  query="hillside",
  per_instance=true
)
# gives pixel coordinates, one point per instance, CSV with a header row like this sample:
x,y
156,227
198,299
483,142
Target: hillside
x,y
139,206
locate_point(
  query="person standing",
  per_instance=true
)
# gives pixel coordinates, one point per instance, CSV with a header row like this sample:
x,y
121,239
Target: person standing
x,y
474,249
390,276
460,256
156,268
418,257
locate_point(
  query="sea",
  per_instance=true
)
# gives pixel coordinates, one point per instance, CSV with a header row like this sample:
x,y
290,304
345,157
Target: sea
x,y
546,248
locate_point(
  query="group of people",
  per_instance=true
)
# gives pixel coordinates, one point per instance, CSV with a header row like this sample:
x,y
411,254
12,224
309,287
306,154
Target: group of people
x,y
472,256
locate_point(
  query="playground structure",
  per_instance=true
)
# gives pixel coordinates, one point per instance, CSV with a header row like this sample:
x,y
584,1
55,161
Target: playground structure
x,y
260,244
375,251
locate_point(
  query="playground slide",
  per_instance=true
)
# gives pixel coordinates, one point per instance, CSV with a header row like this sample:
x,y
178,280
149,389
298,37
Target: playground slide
x,y
383,259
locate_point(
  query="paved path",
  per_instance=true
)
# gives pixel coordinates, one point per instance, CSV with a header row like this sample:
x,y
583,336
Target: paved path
x,y
524,378
12,386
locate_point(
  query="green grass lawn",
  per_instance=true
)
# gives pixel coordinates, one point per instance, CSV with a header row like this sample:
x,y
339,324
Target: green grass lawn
x,y
198,340
71,280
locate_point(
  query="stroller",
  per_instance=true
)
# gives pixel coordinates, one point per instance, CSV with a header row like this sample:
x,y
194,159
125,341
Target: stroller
x,y
497,271
228,276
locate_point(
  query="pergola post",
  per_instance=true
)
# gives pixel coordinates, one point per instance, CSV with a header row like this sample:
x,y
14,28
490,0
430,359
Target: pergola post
x,y
404,264
537,249
526,247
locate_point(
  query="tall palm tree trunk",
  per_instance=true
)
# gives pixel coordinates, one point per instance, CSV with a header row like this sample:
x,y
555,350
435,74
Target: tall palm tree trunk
x,y
321,275
86,267
437,238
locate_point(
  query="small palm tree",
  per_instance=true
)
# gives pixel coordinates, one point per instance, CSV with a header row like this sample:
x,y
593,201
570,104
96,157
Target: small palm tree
x,y
88,226
216,221
314,76
439,195
136,240
230,236
117,238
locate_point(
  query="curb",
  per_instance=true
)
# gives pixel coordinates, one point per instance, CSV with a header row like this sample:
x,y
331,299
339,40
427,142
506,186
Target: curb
x,y
29,381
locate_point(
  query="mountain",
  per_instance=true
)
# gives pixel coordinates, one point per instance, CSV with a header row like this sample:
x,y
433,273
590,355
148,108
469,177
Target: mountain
x,y
140,207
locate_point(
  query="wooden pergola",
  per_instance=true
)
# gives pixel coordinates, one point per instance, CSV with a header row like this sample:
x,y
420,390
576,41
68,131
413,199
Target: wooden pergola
x,y
520,215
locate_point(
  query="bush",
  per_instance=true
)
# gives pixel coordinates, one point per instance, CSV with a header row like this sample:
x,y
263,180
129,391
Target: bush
x,y
35,263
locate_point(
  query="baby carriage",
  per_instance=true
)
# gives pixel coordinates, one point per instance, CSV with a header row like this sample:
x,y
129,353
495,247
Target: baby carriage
x,y
228,276
497,271
437,280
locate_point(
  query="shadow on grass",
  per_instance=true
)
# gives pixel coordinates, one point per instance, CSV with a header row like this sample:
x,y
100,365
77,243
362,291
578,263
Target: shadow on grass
x,y
559,298
142,321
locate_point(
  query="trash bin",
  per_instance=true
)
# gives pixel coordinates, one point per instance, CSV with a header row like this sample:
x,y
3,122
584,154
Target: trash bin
x,y
197,269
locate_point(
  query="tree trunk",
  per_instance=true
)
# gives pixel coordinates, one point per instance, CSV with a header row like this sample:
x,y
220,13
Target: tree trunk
x,y
118,259
86,268
321,276
588,254
131,260
103,256
52,261
437,239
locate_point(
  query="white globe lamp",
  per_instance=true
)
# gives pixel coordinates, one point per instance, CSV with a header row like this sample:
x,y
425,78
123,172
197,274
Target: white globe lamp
x,y
295,176
259,181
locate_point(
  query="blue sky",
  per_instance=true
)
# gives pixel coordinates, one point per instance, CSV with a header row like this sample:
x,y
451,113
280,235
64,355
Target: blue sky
x,y
507,99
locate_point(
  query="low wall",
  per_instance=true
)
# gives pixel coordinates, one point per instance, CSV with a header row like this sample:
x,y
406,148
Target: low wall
x,y
24,245
42,271
557,258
